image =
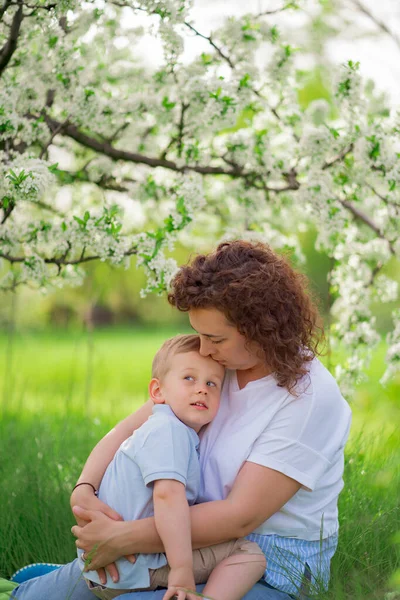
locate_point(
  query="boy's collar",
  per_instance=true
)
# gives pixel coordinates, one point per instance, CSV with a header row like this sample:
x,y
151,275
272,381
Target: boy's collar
x,y
167,410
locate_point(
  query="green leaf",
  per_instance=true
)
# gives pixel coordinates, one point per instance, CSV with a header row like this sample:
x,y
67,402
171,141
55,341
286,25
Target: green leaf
x,y
18,179
53,41
53,168
216,94
244,82
79,221
354,66
249,38
64,79
376,147
167,104
206,59
274,32
288,50
344,87
7,126
342,178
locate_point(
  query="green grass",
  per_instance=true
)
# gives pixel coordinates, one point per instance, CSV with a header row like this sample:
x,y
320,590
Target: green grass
x,y
58,398
103,373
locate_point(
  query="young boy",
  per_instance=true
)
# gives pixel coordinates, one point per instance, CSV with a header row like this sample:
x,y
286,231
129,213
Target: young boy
x,y
156,472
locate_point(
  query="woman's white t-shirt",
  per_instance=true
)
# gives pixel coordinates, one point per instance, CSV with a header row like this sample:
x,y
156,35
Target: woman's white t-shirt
x,y
301,436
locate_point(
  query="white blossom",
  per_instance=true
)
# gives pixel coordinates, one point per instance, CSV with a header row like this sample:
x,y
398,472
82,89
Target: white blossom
x,y
211,148
393,352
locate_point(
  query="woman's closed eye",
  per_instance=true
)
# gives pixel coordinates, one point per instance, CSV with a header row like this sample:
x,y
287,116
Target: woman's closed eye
x,y
216,341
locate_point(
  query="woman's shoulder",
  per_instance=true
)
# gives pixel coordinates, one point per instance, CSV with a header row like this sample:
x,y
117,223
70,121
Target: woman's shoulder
x,y
321,384
321,402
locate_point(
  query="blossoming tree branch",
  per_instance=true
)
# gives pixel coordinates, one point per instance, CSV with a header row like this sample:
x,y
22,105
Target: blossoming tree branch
x,y
216,147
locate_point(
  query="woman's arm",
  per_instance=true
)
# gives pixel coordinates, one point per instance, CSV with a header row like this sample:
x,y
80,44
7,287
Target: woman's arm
x,y
101,456
93,472
257,494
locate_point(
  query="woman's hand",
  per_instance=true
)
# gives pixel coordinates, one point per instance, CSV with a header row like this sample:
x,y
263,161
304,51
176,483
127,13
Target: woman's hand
x,y
83,496
100,532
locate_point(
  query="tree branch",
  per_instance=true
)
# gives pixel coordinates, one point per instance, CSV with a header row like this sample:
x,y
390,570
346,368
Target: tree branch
x,y
50,95
181,126
106,148
265,13
3,9
116,133
38,6
106,182
47,207
63,261
53,135
211,41
340,157
11,44
384,199
380,24
366,219
7,211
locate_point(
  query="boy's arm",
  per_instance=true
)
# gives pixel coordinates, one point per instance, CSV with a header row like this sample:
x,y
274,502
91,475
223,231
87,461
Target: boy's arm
x,y
172,521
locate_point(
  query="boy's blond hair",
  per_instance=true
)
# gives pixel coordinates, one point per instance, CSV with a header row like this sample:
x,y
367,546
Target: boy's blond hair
x,y
179,344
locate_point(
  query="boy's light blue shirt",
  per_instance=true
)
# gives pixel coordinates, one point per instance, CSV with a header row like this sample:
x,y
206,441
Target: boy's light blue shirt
x,y
162,448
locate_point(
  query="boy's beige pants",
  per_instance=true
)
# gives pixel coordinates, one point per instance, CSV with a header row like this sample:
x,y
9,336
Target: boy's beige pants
x,y
204,562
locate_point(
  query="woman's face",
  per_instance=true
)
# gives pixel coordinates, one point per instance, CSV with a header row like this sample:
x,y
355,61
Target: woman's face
x,y
222,341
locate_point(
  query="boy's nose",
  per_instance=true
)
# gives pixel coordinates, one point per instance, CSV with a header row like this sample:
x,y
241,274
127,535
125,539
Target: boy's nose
x,y
202,389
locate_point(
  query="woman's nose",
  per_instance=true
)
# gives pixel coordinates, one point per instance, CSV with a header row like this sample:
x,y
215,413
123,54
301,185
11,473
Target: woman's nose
x,y
204,348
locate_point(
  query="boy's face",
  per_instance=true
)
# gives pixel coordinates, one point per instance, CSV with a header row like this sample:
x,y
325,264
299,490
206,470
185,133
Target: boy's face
x,y
191,387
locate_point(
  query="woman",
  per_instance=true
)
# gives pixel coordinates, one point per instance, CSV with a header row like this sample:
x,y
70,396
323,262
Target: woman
x,y
272,460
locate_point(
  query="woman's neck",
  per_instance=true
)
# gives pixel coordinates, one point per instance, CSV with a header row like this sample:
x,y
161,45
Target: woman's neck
x,y
245,376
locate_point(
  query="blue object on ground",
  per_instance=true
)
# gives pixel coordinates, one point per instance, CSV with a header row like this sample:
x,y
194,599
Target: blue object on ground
x,y
34,570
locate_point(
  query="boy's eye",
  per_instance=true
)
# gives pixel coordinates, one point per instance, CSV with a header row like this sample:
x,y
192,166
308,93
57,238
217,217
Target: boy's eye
x,y
211,384
188,377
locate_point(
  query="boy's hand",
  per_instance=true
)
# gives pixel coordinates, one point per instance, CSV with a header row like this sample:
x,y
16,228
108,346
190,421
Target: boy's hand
x,y
180,583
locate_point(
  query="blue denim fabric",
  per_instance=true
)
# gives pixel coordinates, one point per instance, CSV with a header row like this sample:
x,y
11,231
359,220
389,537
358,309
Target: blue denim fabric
x,y
67,583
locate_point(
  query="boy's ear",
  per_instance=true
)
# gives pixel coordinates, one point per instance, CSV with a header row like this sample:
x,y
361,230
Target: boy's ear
x,y
155,391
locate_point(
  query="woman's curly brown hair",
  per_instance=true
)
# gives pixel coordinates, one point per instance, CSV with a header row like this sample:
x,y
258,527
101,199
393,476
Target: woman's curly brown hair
x,y
259,293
